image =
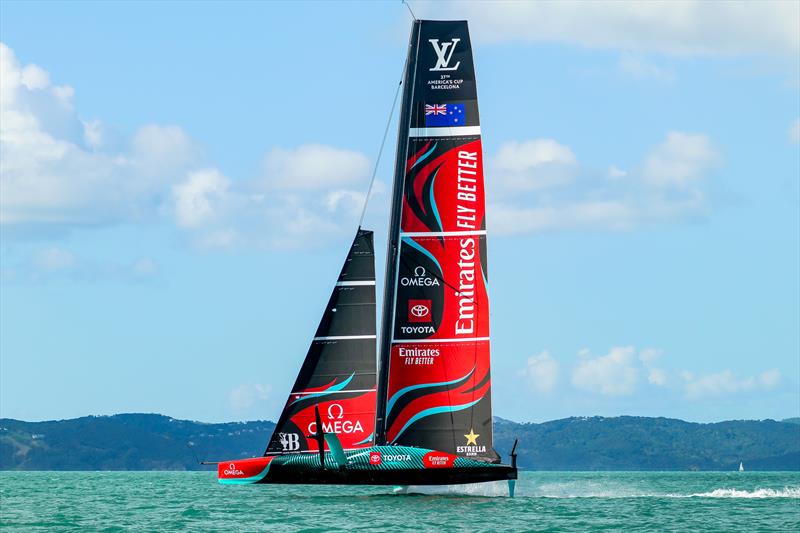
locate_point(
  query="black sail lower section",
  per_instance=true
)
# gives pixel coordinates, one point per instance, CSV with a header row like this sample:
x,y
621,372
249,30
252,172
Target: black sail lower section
x,y
338,373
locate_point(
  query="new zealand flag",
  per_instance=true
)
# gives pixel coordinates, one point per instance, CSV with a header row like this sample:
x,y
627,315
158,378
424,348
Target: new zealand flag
x,y
445,115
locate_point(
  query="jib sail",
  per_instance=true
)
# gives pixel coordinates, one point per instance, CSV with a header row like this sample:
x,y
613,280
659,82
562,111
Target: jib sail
x,y
338,373
435,385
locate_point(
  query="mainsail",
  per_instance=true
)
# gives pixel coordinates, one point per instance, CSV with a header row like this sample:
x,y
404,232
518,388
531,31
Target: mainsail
x,y
434,383
338,374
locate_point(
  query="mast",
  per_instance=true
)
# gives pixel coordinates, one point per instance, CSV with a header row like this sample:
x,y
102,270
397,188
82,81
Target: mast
x,y
393,240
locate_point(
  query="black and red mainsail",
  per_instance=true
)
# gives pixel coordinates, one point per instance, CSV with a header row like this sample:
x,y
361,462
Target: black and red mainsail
x,y
435,385
338,374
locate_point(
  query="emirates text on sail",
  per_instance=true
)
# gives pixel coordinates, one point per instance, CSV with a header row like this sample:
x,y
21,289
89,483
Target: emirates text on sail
x,y
466,219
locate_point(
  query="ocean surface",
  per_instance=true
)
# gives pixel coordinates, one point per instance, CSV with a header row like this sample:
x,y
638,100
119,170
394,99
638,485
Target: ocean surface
x,y
545,501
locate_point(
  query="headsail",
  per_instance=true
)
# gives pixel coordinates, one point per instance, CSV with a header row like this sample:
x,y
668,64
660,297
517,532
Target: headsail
x,y
338,373
435,385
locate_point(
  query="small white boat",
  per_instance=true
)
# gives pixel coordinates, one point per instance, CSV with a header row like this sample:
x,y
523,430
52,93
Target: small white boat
x,y
741,466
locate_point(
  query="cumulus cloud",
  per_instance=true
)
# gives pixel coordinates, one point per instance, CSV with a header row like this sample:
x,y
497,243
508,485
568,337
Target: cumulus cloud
x,y
539,186
198,199
53,173
314,167
726,382
542,371
246,395
657,376
530,165
686,27
680,161
61,171
613,374
286,207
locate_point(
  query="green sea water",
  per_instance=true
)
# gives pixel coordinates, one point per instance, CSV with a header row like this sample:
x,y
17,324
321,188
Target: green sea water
x,y
545,501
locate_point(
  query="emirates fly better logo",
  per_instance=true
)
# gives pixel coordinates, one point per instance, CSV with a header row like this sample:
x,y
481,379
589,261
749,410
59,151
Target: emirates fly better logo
x,y
419,311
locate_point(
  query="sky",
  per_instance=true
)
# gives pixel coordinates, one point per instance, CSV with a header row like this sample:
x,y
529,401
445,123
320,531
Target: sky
x,y
180,182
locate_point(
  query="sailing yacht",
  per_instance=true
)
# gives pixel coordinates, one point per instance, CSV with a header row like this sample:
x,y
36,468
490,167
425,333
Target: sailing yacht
x,y
412,407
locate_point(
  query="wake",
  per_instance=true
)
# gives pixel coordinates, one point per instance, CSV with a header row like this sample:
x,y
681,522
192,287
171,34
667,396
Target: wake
x,y
787,492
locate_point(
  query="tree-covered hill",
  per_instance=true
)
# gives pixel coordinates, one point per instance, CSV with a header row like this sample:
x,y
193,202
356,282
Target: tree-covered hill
x,y
157,442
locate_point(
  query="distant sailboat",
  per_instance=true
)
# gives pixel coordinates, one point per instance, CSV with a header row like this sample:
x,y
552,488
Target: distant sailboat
x,y
741,467
422,415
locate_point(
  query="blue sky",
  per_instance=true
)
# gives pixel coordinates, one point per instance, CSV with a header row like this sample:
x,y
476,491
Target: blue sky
x,y
180,182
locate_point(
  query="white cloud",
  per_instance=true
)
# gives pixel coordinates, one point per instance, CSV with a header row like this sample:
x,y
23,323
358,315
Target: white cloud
x,y
649,355
657,376
246,395
794,131
542,370
59,171
197,199
680,161
52,172
530,165
313,205
672,27
314,167
725,382
669,186
613,374
614,172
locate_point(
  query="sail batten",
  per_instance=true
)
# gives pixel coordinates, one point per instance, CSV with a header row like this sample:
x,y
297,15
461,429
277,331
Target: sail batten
x,y
434,387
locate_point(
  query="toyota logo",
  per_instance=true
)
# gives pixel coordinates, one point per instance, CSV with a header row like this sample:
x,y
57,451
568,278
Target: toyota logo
x,y
420,311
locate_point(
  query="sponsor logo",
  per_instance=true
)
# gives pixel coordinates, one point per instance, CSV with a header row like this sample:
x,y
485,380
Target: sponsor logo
x,y
232,471
472,447
395,458
438,460
420,279
335,422
465,324
417,329
418,356
444,53
419,311
335,408
375,458
289,441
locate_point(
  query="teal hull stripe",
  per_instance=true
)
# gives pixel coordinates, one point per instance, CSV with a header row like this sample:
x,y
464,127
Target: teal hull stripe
x,y
433,200
404,390
413,244
247,480
424,156
332,388
368,439
435,411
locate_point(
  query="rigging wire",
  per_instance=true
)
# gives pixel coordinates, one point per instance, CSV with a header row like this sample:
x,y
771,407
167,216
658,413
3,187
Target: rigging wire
x,y
409,10
380,151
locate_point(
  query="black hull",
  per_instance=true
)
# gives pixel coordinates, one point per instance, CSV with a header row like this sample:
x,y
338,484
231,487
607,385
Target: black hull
x,y
287,474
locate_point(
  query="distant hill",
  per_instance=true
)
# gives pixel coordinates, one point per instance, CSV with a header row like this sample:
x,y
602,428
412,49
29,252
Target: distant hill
x,y
157,442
